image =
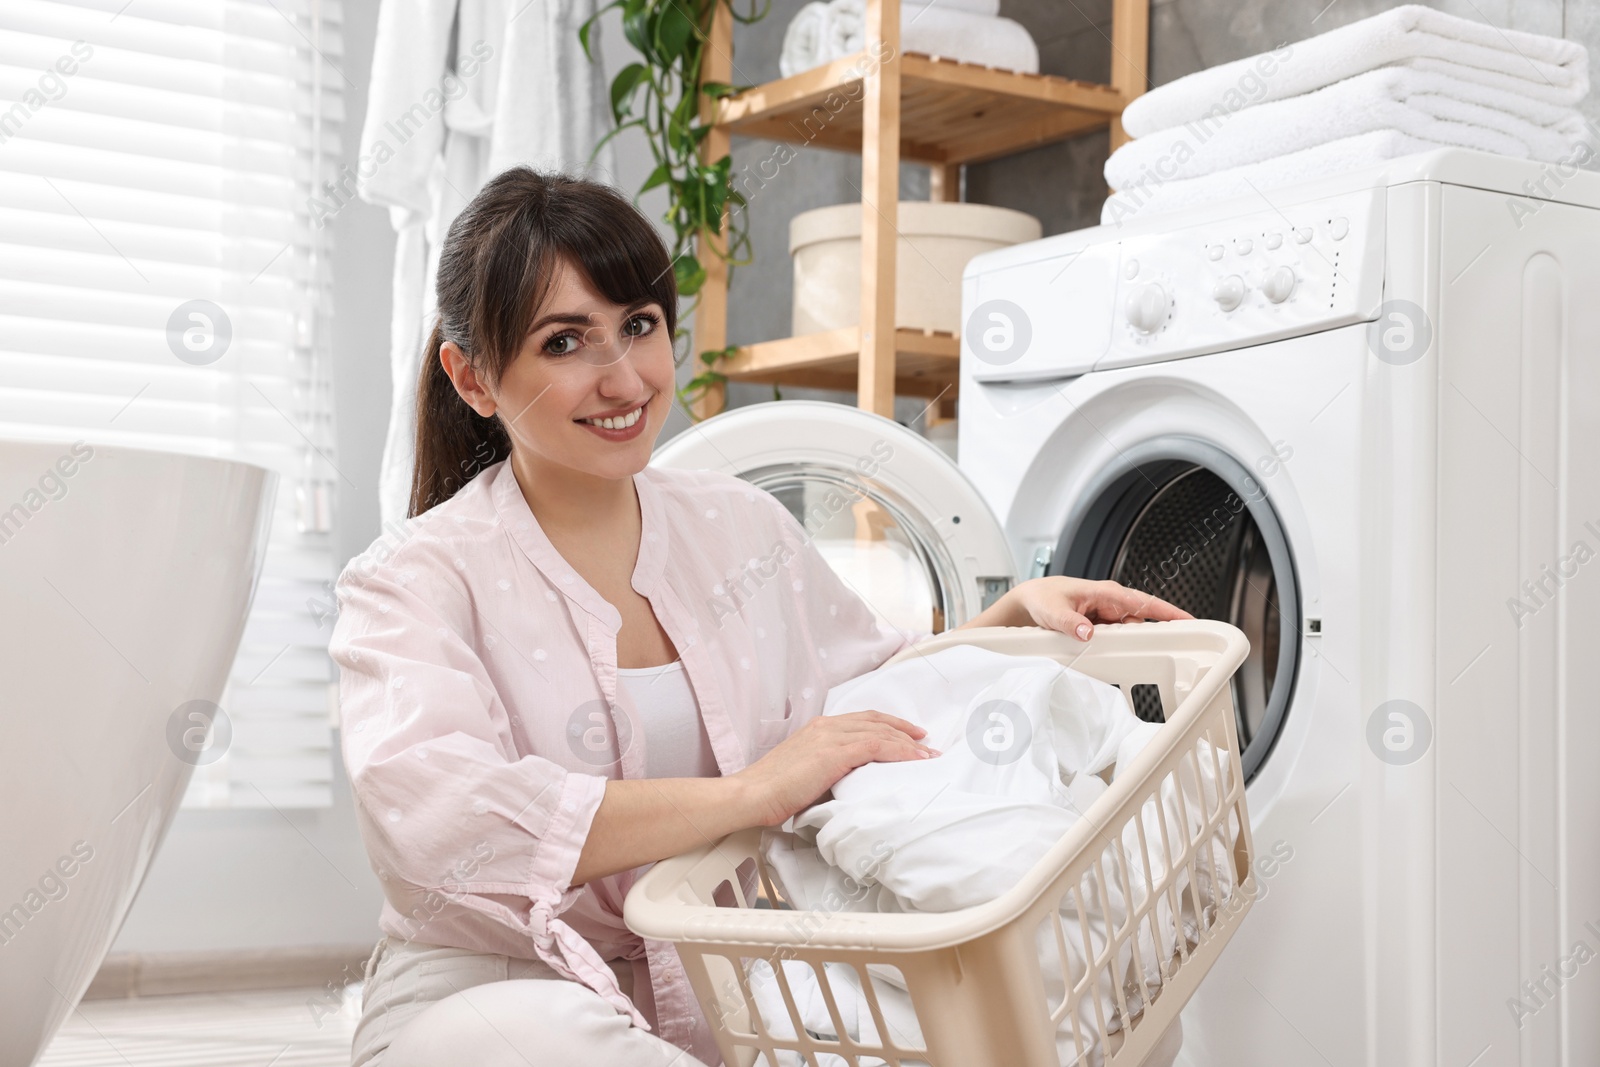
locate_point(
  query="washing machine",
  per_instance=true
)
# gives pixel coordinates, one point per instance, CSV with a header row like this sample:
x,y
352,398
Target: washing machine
x,y
1359,419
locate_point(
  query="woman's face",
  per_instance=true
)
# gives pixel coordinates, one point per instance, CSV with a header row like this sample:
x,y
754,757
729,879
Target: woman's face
x,y
584,358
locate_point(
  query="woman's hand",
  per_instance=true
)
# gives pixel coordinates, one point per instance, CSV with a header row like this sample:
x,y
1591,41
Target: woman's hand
x,y
805,765
1073,606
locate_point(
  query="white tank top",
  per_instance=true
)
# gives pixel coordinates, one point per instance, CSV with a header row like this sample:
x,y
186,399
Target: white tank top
x,y
676,745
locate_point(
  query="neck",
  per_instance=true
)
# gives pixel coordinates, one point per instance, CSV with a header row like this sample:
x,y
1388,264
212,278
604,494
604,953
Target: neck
x,y
564,499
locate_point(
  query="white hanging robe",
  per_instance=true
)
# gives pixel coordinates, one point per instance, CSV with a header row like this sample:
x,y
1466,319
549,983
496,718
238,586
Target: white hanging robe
x,y
515,88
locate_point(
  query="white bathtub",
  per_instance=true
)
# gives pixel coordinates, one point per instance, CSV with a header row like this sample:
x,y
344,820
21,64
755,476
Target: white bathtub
x,y
125,579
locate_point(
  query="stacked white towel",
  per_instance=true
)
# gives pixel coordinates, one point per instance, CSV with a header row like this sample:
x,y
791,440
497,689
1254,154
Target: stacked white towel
x,y
1409,80
968,30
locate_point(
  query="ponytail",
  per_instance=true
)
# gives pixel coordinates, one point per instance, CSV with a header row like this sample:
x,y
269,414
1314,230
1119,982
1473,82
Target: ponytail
x,y
453,441
495,269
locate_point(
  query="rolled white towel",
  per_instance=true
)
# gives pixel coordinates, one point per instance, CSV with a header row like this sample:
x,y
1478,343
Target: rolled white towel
x,y
1555,69
1434,107
821,32
1256,179
805,41
939,29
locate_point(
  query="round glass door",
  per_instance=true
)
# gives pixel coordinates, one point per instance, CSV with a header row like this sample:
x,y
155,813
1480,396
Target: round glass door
x,y
892,514
876,543
1183,521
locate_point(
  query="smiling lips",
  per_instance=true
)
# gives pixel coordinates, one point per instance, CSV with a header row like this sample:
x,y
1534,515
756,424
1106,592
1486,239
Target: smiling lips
x,y
617,427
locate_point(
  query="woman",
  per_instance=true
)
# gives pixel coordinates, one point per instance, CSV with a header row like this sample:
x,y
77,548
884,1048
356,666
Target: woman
x,y
573,664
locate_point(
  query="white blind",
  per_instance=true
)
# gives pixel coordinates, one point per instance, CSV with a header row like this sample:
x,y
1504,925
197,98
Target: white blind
x,y
162,285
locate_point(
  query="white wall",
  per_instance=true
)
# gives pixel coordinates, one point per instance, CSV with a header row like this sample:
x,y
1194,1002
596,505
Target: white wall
x,y
264,879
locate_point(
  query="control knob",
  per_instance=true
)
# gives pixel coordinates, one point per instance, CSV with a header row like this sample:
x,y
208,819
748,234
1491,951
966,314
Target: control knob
x,y
1279,284
1228,292
1147,307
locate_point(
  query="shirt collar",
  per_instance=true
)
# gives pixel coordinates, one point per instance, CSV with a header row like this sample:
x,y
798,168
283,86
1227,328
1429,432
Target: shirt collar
x,y
524,529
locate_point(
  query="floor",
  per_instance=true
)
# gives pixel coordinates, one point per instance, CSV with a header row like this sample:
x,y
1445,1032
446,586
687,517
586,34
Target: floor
x,y
274,1028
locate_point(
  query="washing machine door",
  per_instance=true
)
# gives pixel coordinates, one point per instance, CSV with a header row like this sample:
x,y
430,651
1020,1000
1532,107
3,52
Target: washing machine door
x,y
897,520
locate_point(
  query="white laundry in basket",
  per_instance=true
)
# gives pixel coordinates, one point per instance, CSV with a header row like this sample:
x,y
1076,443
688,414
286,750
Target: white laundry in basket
x,y
1024,740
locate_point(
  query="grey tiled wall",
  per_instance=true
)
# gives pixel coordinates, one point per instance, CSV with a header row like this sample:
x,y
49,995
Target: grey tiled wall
x,y
1061,184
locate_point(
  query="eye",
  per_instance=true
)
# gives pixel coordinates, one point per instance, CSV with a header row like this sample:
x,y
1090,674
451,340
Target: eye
x,y
562,344
646,320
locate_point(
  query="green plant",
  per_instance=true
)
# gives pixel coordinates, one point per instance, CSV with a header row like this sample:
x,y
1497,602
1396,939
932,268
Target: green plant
x,y
662,96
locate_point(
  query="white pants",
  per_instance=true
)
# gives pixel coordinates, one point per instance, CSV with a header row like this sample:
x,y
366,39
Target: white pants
x,y
434,1006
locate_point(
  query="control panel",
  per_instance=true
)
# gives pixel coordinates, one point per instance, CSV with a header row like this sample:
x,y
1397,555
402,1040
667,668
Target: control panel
x,y
1286,270
1253,278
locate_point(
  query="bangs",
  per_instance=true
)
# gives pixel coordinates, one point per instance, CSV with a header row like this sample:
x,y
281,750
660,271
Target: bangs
x,y
612,244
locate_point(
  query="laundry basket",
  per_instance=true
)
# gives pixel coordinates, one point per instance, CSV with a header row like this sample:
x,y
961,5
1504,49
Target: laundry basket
x,y
974,975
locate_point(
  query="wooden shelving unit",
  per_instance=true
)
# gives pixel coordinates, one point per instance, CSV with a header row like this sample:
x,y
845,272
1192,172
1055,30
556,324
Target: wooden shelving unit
x,y
907,106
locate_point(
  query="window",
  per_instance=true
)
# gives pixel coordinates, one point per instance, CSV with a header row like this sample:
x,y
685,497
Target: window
x,y
163,285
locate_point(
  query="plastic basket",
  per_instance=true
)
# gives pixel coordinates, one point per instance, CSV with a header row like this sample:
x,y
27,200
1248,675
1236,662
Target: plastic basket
x,y
974,976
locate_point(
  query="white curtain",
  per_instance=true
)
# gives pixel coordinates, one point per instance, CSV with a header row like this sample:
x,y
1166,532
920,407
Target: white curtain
x,y
163,285
462,90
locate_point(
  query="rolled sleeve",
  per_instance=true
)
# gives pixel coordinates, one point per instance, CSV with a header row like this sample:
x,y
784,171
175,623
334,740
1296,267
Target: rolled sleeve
x,y
446,799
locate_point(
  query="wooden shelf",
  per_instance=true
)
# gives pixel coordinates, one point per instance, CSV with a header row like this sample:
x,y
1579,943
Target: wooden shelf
x,y
925,109
950,111
927,362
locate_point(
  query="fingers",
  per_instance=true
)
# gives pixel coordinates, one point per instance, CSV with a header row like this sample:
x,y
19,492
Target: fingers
x,y
1075,624
865,717
888,746
1117,603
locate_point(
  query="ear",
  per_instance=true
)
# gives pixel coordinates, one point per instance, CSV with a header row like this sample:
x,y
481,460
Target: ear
x,y
472,388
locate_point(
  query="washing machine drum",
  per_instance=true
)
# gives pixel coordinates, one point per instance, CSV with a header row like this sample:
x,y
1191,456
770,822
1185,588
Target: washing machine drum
x,y
1197,531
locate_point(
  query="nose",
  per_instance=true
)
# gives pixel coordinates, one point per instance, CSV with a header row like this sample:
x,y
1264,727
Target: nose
x,y
604,346
618,377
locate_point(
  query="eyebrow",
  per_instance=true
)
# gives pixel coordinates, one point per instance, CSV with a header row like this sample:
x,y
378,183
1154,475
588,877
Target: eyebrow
x,y
574,319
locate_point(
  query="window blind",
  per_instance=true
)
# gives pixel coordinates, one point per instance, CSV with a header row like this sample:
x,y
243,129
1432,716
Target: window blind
x,y
163,285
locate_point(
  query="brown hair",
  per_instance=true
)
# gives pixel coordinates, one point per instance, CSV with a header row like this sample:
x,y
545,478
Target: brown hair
x,y
495,270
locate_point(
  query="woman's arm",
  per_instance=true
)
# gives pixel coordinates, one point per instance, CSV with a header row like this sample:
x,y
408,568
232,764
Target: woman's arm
x,y
643,820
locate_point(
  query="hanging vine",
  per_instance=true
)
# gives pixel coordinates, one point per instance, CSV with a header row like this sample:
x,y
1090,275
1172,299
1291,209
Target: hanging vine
x,y
661,96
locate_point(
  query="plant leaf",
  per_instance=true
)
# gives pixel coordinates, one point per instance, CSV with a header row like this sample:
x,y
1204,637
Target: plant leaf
x,y
689,274
673,30
660,176
623,86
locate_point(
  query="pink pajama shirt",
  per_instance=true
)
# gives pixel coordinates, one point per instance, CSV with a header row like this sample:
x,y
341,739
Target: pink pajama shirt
x,y
475,666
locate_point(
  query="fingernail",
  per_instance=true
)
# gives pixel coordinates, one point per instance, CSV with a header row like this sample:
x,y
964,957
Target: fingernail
x,y
1083,631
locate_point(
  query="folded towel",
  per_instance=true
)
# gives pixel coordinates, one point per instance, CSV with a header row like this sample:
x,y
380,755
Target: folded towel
x,y
1525,89
991,8
1257,179
804,42
956,29
1401,34
1435,107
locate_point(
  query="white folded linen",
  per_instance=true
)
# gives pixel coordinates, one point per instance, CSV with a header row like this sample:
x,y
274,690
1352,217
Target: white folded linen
x,y
805,41
938,30
1434,107
1552,69
967,30
1024,741
1257,180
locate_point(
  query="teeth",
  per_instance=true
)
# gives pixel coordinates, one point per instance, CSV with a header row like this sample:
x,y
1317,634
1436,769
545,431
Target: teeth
x,y
621,422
